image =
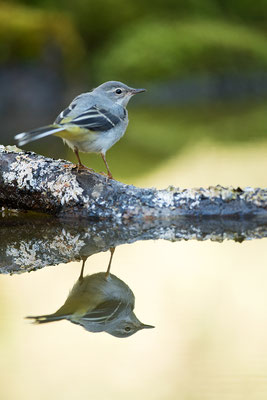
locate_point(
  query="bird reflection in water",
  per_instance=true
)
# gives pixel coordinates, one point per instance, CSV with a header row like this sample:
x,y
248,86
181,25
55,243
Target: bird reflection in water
x,y
100,303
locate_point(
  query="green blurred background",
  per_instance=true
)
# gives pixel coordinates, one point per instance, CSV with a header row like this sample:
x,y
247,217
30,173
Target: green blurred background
x,y
203,121
203,61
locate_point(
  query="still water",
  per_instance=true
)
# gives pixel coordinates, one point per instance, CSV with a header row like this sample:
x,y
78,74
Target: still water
x,y
207,301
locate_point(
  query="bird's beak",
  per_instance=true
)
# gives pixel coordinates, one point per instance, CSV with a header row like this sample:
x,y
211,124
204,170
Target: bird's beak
x,y
144,326
136,91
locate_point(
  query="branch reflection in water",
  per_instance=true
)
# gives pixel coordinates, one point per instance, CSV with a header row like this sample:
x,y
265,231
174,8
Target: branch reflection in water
x,y
100,303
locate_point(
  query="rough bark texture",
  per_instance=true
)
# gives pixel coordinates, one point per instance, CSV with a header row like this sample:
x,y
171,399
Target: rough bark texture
x,y
31,182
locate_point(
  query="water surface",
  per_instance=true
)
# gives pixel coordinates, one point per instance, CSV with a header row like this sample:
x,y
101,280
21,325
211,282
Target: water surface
x,y
207,301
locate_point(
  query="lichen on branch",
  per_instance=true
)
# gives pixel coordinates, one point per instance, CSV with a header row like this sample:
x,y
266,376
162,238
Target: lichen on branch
x,y
32,182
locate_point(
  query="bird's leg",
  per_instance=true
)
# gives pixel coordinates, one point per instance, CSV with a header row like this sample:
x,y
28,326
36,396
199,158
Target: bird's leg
x,y
78,157
112,249
82,270
106,164
80,165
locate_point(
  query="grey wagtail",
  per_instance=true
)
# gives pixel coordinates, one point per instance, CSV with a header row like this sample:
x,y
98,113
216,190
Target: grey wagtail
x,y
100,303
92,123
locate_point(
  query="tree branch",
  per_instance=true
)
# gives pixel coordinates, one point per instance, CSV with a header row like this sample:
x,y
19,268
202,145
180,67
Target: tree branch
x,y
32,182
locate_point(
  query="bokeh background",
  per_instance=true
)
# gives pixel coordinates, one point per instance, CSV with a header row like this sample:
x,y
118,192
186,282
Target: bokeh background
x,y
202,122
204,63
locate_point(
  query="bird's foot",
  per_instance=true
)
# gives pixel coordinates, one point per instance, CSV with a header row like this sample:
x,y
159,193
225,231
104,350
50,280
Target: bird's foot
x,y
81,167
108,176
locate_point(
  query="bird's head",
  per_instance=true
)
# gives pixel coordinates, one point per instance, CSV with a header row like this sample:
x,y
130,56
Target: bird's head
x,y
117,92
127,326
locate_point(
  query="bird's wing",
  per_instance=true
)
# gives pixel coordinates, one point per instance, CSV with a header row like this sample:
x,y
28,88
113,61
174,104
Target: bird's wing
x,y
106,311
94,118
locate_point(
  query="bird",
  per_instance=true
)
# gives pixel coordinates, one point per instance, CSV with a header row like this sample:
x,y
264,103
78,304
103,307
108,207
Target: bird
x,y
99,302
92,123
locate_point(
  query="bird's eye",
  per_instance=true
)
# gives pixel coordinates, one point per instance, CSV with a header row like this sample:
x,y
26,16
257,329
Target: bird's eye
x,y
118,91
127,329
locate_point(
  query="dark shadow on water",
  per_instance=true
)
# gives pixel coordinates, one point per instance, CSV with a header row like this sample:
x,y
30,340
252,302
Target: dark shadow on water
x,y
30,241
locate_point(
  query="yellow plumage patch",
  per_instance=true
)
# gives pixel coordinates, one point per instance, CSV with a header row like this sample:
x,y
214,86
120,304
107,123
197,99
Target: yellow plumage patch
x,y
72,132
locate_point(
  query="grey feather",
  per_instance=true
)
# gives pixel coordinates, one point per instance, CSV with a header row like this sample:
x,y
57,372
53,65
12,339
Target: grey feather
x,y
26,137
97,119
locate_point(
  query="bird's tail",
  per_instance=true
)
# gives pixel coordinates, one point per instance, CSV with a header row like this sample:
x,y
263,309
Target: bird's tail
x,y
41,319
26,137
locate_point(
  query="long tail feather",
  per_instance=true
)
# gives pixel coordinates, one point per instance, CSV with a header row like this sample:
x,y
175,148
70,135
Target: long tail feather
x,y
26,137
41,319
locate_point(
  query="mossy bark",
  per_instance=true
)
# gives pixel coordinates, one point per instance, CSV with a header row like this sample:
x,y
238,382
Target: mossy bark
x,y
32,182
